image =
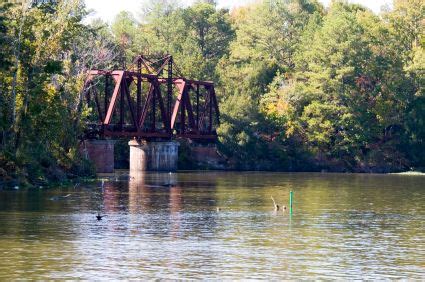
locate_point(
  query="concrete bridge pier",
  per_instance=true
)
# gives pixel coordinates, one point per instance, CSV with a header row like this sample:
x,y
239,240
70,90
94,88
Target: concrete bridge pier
x,y
153,156
101,153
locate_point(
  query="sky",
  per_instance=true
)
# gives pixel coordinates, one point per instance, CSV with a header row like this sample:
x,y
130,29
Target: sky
x,y
107,10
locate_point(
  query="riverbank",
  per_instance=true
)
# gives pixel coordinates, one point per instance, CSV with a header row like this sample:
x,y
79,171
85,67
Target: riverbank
x,y
18,172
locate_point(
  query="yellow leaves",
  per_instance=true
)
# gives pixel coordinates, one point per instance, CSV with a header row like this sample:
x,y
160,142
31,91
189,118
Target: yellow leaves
x,y
282,107
291,127
279,108
294,7
50,91
86,112
242,139
241,14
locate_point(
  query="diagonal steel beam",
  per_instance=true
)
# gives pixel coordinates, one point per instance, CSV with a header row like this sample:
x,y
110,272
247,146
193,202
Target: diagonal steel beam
x,y
146,106
162,108
127,84
181,86
118,77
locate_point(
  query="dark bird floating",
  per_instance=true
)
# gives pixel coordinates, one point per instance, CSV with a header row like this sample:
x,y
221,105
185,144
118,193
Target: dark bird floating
x,y
169,185
99,217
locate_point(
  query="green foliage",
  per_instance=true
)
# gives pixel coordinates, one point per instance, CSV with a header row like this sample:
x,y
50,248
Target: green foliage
x,y
124,29
208,35
40,125
345,86
197,36
4,39
267,38
349,96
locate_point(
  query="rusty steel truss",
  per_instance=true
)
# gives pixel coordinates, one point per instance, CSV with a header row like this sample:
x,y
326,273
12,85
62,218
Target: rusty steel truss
x,y
147,102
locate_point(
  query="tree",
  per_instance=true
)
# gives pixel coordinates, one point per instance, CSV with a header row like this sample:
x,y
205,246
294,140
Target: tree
x,y
406,25
406,21
125,31
55,52
207,38
4,47
349,95
267,37
5,64
161,27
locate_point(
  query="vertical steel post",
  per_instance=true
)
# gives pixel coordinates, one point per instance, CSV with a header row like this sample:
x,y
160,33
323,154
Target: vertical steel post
x,y
154,107
139,87
197,107
211,106
183,117
122,103
169,93
106,93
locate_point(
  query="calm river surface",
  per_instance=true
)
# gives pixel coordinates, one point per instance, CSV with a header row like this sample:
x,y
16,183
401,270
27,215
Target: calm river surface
x,y
343,226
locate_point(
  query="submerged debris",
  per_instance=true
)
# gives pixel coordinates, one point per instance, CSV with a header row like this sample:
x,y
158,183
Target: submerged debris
x,y
58,198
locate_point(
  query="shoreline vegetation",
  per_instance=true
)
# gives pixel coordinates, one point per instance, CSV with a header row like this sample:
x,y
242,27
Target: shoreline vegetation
x,y
301,87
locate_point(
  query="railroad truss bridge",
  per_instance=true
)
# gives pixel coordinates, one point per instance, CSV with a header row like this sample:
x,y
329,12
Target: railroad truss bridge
x,y
151,106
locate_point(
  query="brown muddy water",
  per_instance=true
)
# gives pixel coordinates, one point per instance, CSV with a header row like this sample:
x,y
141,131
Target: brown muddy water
x,y
343,227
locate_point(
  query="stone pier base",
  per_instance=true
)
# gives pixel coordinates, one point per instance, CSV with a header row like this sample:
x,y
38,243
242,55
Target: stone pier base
x,y
153,156
101,153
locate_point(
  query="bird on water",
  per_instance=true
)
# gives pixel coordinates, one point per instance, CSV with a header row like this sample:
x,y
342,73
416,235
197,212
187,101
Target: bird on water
x,y
170,185
99,217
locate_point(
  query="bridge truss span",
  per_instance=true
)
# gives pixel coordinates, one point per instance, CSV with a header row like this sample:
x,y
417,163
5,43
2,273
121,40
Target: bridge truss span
x,y
147,102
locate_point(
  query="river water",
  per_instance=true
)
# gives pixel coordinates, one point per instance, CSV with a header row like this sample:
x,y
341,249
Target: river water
x,y
343,226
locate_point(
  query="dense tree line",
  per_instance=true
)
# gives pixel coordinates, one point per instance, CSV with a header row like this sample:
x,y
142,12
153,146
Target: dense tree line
x,y
325,89
301,86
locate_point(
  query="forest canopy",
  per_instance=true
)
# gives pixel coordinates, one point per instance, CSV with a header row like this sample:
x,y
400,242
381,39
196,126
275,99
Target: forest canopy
x,y
301,86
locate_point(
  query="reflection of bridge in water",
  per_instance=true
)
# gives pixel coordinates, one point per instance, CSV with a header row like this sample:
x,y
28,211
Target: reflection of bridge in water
x,y
148,197
150,105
